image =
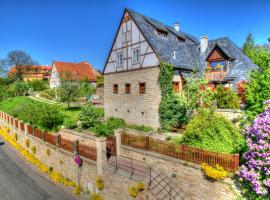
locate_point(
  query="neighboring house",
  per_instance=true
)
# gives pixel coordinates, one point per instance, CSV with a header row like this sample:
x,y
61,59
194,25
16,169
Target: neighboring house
x,y
30,73
131,89
78,71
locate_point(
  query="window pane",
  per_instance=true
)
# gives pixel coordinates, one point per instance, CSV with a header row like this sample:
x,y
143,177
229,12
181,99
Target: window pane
x,y
217,64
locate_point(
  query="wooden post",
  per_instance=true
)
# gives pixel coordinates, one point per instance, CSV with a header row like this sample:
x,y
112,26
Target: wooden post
x,y
75,146
235,161
118,141
183,152
57,140
147,142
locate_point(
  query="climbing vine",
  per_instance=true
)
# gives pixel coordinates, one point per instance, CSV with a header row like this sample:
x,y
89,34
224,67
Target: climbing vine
x,y
172,109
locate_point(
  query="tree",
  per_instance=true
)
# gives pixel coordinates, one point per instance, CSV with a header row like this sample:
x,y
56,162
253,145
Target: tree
x,y
3,67
20,60
249,43
258,86
268,39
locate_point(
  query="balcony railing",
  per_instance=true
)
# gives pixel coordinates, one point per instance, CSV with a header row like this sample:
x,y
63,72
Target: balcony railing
x,y
215,75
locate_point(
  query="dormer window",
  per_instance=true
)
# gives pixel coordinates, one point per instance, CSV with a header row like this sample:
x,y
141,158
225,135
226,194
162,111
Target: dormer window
x,y
161,33
217,65
179,39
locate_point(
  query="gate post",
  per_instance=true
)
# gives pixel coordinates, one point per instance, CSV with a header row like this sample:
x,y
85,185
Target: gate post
x,y
118,141
101,154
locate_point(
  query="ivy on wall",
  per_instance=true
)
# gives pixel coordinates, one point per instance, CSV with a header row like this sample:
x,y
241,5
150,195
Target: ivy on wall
x,y
172,109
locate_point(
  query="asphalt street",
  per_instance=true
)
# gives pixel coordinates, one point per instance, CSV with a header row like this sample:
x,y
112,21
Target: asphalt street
x,y
19,182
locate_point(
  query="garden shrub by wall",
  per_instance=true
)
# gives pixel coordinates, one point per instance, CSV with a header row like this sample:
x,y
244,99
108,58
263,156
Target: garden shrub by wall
x,y
211,131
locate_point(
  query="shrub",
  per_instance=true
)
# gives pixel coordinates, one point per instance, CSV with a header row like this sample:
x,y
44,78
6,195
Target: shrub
x,y
27,143
18,89
38,85
48,94
140,186
99,183
77,190
34,149
115,123
96,196
102,130
70,123
48,152
226,98
141,128
133,191
211,131
15,137
255,172
215,173
173,112
90,116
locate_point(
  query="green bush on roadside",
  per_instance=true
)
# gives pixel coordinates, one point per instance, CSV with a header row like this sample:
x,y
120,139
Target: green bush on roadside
x,y
70,123
102,129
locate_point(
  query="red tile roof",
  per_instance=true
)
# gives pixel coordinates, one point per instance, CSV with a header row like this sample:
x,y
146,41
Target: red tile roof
x,y
82,70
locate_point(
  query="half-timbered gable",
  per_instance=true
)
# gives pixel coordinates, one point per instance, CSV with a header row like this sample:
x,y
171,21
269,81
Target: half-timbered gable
x,y
130,49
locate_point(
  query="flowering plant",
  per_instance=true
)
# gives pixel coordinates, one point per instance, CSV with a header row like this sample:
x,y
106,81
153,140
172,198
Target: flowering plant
x,y
255,173
78,160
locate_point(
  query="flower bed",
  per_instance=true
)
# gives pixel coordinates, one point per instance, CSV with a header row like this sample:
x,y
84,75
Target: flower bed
x,y
56,177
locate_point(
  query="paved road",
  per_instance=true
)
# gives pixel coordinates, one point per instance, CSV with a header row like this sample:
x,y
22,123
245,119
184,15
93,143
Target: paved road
x,y
19,182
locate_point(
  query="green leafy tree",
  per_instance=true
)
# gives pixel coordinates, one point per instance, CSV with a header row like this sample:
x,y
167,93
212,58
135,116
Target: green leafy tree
x,y
90,116
249,44
268,39
258,86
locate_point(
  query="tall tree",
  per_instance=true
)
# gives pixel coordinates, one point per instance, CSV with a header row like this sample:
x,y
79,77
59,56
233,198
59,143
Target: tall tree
x,y
249,44
3,67
20,60
268,39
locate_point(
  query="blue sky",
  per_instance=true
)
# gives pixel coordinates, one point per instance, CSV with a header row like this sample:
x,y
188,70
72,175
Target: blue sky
x,y
77,30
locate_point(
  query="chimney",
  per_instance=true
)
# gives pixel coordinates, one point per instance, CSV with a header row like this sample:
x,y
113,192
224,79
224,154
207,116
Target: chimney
x,y
176,26
203,43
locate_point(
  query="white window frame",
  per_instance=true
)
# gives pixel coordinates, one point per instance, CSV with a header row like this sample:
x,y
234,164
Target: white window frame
x,y
136,55
119,59
126,37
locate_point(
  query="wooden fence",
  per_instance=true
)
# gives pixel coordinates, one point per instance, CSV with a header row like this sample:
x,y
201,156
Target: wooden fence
x,y
84,150
229,162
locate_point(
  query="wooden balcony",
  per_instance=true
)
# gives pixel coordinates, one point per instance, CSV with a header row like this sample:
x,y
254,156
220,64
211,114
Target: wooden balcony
x,y
215,75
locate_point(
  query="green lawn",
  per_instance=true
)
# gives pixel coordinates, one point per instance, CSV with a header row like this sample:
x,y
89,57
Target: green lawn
x,y
11,104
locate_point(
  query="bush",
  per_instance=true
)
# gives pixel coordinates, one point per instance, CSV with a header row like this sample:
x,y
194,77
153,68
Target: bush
x,y
140,186
214,173
226,98
211,131
96,196
173,112
133,191
90,116
99,183
141,128
38,85
18,88
102,129
77,190
255,172
48,152
70,123
34,149
48,94
115,123
27,142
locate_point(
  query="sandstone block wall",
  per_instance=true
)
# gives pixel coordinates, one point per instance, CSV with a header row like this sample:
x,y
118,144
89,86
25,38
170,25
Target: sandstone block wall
x,y
134,108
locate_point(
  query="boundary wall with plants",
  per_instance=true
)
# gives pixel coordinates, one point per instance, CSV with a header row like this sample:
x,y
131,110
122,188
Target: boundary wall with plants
x,y
183,174
58,152
230,162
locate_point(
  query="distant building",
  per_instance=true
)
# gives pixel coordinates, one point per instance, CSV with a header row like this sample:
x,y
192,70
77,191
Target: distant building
x,y
131,89
30,73
78,71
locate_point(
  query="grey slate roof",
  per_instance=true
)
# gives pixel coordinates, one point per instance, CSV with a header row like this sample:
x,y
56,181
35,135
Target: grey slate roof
x,y
188,55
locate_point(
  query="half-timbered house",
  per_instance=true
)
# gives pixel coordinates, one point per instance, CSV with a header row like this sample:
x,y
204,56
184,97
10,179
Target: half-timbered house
x,y
131,89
